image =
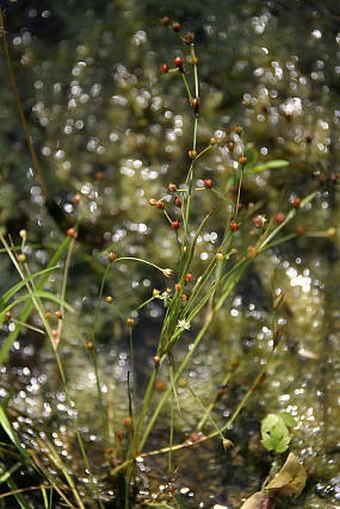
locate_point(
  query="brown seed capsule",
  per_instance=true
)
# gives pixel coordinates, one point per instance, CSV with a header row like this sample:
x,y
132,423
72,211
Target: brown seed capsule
x,y
48,314
127,422
238,129
176,26
109,299
178,287
175,224
233,227
89,345
178,201
213,141
243,160
76,199
120,434
156,360
309,138
165,20
208,183
171,487
58,314
300,229
192,154
185,297
130,322
112,256
279,218
160,386
195,103
297,202
172,188
252,252
258,221
8,315
99,175
189,38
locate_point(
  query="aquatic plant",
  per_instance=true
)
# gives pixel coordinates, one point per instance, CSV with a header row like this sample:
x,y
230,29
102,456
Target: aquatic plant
x,y
192,292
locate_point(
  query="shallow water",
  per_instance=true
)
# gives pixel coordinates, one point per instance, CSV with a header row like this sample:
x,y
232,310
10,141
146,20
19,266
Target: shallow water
x,y
109,126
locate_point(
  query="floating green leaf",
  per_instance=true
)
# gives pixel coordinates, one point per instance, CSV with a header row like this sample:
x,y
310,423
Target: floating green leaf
x,y
275,433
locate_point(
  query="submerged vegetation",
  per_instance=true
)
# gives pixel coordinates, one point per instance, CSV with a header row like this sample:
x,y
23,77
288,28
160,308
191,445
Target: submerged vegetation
x,y
150,312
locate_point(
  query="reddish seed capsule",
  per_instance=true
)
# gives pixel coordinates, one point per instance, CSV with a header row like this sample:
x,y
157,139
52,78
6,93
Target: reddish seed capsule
x,y
76,199
178,287
176,26
178,61
159,204
99,175
208,183
8,315
160,386
175,224
171,487
185,297
243,160
233,227
178,201
71,232
309,138
189,277
279,218
58,314
164,68
300,229
297,202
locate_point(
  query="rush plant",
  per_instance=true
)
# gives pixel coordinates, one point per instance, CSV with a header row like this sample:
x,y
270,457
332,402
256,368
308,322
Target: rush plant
x,y
193,294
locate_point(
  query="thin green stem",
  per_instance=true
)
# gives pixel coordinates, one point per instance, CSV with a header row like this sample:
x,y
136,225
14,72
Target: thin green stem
x,y
23,120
